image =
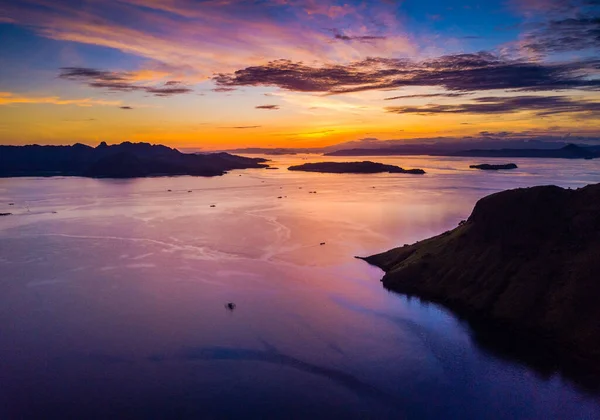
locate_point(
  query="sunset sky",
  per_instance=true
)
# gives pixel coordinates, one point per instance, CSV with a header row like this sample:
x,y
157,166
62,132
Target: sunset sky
x,y
217,74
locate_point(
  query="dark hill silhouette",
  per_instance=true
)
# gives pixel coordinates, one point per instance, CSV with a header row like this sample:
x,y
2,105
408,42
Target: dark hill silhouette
x,y
494,167
119,165
571,151
365,167
526,260
125,160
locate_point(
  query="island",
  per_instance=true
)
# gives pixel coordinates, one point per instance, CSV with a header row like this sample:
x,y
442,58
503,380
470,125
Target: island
x,y
365,167
526,261
491,167
125,160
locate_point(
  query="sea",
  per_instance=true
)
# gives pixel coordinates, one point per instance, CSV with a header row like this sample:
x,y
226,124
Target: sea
x,y
239,297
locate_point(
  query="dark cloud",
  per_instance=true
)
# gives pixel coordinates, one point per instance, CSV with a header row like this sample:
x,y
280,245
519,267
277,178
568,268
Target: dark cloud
x,y
166,91
126,107
119,81
572,34
223,89
270,107
540,105
563,26
498,133
459,72
427,95
365,38
244,127
318,132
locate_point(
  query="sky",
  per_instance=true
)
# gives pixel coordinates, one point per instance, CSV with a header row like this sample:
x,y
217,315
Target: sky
x,y
218,74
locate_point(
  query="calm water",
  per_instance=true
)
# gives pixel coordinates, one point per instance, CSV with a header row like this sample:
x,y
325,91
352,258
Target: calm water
x,y
112,298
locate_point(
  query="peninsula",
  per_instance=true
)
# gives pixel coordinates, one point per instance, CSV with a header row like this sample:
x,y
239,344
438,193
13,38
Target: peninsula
x,y
526,260
365,167
125,160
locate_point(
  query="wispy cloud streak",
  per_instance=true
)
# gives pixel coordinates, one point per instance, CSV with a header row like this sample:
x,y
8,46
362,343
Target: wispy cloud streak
x,y
9,98
539,105
120,81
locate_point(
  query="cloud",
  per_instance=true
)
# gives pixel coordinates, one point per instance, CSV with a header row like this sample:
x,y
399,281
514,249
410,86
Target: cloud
x,y
427,95
359,38
564,35
223,89
9,98
126,107
193,39
244,127
498,133
557,26
539,105
269,107
549,7
120,81
459,72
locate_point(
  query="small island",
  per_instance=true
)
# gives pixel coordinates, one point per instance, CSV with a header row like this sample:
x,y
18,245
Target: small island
x,y
125,160
526,260
365,167
491,167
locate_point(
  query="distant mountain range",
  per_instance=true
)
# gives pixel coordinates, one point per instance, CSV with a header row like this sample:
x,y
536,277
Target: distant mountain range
x,y
570,151
548,147
125,160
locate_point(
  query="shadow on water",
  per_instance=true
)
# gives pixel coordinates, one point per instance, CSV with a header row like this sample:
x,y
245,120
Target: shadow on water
x,y
273,356
545,357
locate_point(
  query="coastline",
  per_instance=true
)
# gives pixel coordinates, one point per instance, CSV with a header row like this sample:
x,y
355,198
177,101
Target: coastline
x,y
522,265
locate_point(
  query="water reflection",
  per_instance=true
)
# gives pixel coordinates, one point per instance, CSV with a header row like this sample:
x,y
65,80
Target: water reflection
x,y
114,303
272,355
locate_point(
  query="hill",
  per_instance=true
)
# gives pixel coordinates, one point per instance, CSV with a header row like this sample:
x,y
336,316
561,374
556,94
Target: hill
x,y
525,260
571,151
125,160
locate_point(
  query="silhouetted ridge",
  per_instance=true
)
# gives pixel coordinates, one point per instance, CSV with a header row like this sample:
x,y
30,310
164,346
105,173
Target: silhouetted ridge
x,y
125,160
571,151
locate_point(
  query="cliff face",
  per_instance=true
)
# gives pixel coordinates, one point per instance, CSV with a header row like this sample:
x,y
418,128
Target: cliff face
x,y
528,259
